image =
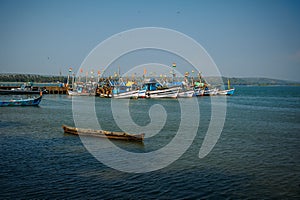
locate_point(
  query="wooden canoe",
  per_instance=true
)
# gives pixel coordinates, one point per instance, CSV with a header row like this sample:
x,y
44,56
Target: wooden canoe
x,y
103,134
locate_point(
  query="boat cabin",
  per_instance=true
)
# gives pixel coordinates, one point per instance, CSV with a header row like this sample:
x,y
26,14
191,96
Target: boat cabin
x,y
151,85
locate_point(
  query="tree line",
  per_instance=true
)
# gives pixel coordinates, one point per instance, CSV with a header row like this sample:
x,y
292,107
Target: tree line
x,y
63,79
32,78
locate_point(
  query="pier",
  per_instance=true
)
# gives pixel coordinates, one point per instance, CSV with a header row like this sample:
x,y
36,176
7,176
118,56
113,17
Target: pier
x,y
52,88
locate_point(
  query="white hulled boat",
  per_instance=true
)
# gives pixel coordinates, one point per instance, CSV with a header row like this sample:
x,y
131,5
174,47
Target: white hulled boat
x,y
155,90
186,94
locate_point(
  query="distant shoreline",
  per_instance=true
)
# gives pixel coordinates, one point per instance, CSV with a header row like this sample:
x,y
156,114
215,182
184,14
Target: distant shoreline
x,y
63,79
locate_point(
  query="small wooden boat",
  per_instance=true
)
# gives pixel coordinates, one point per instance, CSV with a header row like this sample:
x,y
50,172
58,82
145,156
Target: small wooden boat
x,y
22,102
103,134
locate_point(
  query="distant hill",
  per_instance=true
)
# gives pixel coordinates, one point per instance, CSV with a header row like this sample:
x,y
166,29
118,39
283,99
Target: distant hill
x,y
212,80
251,81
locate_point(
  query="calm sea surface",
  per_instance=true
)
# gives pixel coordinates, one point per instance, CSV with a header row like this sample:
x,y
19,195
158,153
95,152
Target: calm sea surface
x,y
257,155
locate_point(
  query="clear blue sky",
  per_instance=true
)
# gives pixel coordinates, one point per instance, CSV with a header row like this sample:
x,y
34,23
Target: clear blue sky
x,y
245,38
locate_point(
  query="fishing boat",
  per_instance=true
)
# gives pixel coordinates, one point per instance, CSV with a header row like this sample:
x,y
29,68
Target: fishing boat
x,y
134,94
185,89
22,102
23,90
226,92
103,134
82,90
163,93
104,92
79,93
198,92
127,95
229,91
124,90
210,92
142,94
155,90
186,94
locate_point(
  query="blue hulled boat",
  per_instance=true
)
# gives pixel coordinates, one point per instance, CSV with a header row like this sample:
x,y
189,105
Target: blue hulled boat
x,y
22,102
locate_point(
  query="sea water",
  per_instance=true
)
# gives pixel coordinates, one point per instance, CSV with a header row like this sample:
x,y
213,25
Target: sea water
x,y
257,155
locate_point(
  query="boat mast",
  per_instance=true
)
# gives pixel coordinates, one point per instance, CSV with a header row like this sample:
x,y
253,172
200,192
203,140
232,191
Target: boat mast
x,y
70,73
173,72
228,82
200,77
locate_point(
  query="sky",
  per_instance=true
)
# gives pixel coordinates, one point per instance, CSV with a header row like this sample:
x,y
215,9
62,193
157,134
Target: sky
x,y
257,38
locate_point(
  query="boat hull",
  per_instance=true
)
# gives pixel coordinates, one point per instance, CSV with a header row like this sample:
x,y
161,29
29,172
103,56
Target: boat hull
x,y
22,102
226,92
103,134
211,92
164,93
74,93
186,94
127,95
199,92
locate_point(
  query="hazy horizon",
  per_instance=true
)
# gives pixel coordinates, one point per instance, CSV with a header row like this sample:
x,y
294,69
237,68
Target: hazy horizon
x,y
148,76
